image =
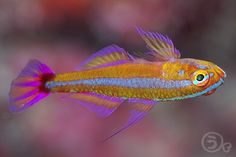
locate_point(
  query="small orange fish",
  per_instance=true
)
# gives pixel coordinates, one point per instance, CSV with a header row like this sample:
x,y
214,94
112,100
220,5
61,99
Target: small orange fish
x,y
113,76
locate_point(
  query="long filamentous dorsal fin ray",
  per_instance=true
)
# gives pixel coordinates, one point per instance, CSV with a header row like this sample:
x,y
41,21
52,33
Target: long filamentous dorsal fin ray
x,y
161,46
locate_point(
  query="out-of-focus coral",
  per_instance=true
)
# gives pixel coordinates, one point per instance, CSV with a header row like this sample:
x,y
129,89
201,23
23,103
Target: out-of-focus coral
x,y
64,33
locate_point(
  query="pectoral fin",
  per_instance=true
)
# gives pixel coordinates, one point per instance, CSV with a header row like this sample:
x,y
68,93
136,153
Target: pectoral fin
x,y
140,109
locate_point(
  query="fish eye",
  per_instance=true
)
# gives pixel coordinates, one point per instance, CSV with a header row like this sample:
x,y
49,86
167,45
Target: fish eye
x,y
200,78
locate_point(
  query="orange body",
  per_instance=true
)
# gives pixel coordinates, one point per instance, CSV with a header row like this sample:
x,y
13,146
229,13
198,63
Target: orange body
x,y
167,72
113,76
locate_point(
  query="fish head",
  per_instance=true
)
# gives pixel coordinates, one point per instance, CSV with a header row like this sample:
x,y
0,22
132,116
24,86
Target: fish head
x,y
205,76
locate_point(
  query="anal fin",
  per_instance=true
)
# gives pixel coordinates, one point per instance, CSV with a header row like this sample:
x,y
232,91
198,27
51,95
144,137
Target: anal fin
x,y
101,104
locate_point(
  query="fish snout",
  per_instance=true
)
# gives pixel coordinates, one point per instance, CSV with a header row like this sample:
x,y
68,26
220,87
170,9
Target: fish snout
x,y
220,72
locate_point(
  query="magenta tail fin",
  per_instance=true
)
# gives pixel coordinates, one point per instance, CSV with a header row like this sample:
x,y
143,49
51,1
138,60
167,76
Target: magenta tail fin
x,y
29,87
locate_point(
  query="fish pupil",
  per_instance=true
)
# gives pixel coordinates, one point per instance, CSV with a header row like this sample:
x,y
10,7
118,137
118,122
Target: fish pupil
x,y
200,77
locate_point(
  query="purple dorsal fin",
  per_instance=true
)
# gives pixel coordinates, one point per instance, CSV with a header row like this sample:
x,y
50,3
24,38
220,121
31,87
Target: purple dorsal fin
x,y
108,56
162,48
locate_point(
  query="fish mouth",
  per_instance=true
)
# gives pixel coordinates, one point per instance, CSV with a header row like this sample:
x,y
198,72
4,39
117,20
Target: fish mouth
x,y
220,72
210,92
219,83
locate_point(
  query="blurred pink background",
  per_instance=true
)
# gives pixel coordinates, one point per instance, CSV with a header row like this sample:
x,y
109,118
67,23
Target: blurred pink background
x,y
64,33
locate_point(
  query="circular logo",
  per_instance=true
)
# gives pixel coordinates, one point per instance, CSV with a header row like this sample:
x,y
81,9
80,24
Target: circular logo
x,y
212,142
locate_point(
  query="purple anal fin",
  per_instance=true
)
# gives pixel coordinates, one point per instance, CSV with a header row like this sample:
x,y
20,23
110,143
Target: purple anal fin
x,y
98,103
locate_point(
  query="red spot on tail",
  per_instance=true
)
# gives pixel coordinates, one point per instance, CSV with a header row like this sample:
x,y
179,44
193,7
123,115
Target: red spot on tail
x,y
44,79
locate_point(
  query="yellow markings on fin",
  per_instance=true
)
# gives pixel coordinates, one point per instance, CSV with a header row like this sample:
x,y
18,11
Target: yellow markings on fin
x,y
101,104
108,56
161,46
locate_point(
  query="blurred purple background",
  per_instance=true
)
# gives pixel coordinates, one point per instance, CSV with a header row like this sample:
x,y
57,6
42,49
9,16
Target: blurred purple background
x,y
63,33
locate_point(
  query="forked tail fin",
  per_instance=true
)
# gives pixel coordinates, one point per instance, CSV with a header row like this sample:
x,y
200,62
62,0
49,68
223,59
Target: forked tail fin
x,y
29,87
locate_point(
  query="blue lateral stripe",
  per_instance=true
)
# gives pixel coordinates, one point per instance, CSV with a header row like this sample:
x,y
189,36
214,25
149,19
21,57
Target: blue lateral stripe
x,y
126,82
195,94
